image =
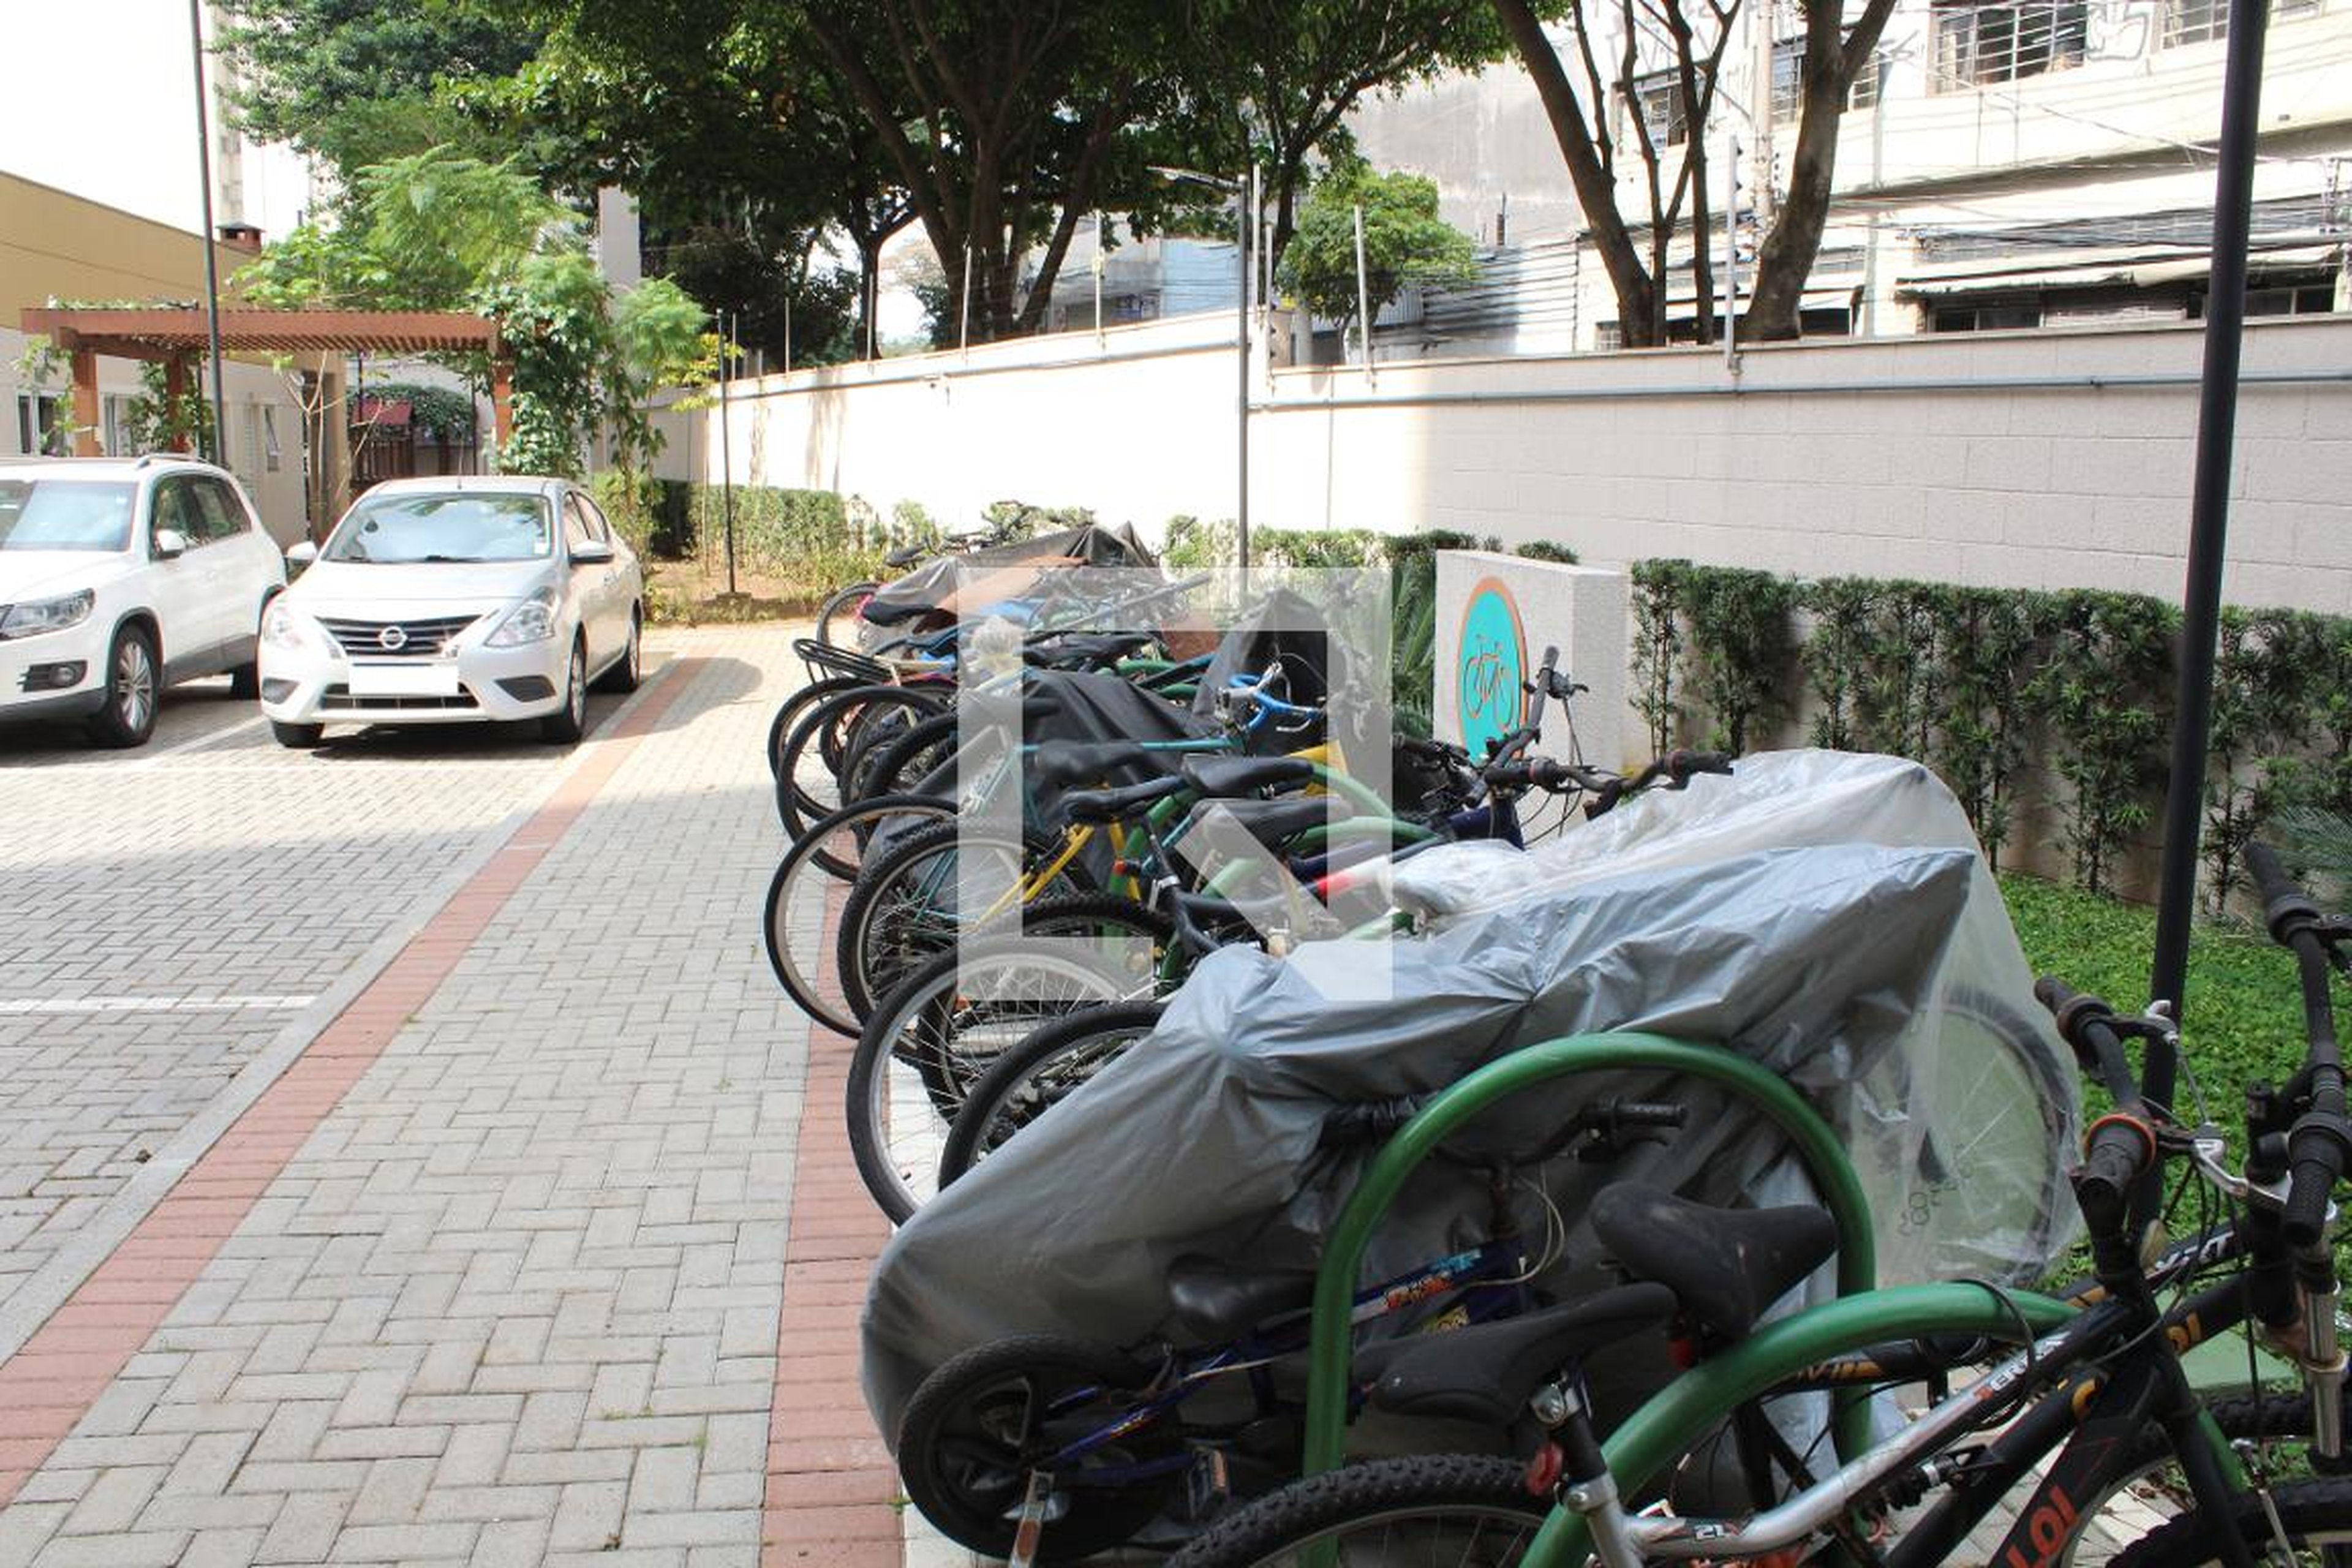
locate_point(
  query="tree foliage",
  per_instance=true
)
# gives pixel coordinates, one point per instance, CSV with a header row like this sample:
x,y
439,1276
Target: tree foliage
x,y
437,231
1406,242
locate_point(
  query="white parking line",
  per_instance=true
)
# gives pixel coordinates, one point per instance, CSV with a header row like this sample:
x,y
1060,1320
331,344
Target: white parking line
x,y
19,1005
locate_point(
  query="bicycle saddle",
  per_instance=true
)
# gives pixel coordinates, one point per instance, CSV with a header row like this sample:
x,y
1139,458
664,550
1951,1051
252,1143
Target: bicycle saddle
x,y
1272,821
1083,652
905,555
1488,1372
1229,778
1725,1266
1117,804
1054,764
1212,1301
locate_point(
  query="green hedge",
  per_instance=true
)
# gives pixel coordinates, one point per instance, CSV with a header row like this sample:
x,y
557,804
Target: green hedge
x,y
2019,698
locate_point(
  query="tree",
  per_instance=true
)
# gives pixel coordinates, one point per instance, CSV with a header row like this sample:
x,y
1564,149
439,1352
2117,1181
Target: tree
x,y
441,232
1271,82
1405,241
354,82
1004,122
1685,41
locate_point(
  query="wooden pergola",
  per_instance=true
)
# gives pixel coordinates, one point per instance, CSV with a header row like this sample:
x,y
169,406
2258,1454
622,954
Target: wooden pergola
x,y
178,338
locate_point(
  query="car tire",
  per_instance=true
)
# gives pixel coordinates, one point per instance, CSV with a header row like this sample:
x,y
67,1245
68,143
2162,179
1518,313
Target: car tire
x,y
628,670
133,684
569,722
296,737
244,682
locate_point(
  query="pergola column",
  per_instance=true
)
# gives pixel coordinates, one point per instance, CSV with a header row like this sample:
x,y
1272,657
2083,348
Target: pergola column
x,y
88,416
501,400
175,395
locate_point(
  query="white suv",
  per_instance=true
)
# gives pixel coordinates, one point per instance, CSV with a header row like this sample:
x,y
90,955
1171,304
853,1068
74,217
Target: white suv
x,y
118,576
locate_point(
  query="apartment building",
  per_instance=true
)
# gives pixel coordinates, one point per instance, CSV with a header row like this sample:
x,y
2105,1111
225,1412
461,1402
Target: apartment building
x,y
2001,166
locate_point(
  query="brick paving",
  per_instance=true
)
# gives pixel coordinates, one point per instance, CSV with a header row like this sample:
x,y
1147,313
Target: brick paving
x,y
530,1256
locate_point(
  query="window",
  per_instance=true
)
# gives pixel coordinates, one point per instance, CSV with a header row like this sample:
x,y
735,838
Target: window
x,y
1658,99
2201,21
51,514
174,508
117,420
1979,44
270,436
444,526
41,424
222,512
1789,81
593,517
1997,316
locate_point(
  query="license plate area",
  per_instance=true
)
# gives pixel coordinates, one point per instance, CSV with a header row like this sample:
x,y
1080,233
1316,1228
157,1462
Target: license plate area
x,y
403,680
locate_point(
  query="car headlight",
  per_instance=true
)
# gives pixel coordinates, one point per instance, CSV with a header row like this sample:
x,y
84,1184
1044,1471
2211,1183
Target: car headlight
x,y
34,616
285,628
532,621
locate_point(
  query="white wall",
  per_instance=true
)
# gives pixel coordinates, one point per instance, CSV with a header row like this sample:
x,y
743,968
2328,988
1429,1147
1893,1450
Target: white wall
x,y
2025,459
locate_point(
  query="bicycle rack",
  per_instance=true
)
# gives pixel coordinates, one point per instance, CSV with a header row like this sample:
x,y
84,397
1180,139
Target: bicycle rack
x,y
817,657
1330,1347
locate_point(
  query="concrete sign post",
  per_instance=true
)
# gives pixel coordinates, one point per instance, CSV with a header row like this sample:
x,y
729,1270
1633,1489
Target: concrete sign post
x,y
1496,615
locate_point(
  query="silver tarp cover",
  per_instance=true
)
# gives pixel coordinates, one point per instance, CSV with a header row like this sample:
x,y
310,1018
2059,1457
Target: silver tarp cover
x,y
1828,916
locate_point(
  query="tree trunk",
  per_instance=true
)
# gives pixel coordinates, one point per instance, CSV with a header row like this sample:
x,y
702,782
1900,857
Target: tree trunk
x,y
1833,60
1596,193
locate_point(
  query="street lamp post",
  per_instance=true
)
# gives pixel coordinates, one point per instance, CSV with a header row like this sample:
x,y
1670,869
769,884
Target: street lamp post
x,y
1241,191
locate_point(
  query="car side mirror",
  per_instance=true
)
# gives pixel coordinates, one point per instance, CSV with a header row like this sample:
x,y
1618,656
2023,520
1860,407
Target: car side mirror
x,y
302,554
170,545
591,553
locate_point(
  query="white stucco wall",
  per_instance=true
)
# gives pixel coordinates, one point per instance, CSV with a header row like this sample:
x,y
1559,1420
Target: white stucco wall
x,y
2028,460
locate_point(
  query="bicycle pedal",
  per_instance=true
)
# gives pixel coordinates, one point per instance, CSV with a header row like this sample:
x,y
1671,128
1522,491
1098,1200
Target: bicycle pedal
x,y
1031,1530
1208,1486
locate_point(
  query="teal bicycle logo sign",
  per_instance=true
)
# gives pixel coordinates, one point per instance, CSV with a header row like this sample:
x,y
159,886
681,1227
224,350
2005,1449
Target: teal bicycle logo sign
x,y
1492,667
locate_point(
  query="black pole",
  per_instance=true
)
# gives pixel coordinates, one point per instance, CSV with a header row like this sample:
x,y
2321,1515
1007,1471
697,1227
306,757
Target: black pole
x,y
2209,521
1241,426
212,261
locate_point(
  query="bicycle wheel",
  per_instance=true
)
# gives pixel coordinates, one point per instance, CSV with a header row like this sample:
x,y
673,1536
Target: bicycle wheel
x,y
917,751
805,895
1455,1510
2313,1517
903,907
1053,1063
792,709
807,781
932,1036
980,1423
840,612
875,738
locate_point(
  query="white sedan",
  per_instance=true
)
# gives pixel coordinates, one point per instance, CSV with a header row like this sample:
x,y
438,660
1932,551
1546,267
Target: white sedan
x,y
442,601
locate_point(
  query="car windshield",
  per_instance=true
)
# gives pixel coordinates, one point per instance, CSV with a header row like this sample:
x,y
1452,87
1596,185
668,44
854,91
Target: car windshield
x,y
468,526
57,514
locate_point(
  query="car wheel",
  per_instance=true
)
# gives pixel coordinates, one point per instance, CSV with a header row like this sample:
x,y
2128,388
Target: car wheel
x,y
131,681
569,722
296,737
244,680
629,669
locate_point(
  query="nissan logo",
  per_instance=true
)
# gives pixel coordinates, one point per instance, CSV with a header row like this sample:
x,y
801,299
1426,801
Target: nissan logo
x,y
392,639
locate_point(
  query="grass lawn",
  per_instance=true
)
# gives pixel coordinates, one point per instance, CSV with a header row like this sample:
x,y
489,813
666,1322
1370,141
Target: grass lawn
x,y
2243,1016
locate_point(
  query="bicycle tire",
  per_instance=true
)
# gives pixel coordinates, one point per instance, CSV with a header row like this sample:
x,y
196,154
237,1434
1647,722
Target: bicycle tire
x,y
972,1426
871,737
1420,1504
901,909
927,1041
2314,1516
842,602
795,919
789,712
910,757
1035,1075
807,782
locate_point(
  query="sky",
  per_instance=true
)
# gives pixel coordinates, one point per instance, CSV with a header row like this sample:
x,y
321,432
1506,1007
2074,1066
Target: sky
x,y
101,102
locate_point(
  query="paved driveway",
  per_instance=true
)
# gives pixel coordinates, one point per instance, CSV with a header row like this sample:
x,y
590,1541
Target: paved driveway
x,y
402,1154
